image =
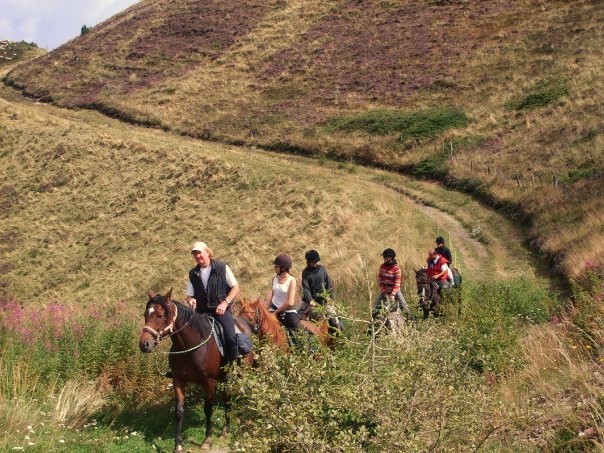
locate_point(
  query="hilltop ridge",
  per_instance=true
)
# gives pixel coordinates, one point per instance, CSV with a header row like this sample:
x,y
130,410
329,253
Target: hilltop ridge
x,y
496,99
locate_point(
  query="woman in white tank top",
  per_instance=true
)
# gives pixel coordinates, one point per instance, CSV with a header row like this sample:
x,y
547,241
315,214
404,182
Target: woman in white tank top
x,y
283,293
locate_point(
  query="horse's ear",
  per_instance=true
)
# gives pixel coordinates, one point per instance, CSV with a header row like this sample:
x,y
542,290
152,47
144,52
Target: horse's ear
x,y
150,294
168,296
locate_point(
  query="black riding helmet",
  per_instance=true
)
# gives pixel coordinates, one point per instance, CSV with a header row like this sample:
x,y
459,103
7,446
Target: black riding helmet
x,y
389,253
312,255
440,240
284,261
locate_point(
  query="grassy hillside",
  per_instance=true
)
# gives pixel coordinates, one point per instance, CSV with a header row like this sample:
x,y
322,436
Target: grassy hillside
x,y
12,53
494,98
97,209
95,212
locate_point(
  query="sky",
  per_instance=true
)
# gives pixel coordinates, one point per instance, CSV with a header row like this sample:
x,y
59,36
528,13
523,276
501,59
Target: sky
x,y
50,23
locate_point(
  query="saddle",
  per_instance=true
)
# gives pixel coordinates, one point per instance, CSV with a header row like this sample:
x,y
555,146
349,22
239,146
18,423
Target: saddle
x,y
244,342
456,276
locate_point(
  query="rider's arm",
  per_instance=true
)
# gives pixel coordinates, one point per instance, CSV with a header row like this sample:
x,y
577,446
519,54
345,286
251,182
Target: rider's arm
x,y
444,270
190,297
306,294
328,284
397,282
233,292
383,289
291,294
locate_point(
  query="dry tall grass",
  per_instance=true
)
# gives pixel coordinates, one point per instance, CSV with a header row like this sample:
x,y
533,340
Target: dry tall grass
x,y
97,212
274,73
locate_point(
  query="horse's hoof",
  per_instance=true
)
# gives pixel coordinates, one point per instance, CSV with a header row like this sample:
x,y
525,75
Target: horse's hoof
x,y
177,449
207,444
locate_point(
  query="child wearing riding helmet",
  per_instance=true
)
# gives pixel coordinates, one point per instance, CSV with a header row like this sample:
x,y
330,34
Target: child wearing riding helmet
x,y
389,280
283,293
317,289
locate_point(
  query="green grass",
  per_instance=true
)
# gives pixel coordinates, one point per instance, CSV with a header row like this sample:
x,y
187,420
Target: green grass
x,y
541,95
364,395
12,52
425,124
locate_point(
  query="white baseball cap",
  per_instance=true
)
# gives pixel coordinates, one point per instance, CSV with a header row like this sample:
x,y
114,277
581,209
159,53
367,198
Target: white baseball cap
x,y
199,246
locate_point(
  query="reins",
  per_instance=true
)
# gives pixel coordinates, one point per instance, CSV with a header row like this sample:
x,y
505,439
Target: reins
x,y
256,322
212,321
425,286
159,336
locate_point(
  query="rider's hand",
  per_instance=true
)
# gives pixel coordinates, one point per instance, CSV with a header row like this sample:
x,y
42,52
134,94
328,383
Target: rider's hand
x,y
313,303
192,303
222,307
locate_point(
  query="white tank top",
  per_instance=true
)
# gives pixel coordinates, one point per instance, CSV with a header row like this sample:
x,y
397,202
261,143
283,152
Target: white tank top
x,y
280,290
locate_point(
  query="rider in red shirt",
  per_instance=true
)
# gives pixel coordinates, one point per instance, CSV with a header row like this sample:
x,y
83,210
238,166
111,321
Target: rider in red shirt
x,y
438,270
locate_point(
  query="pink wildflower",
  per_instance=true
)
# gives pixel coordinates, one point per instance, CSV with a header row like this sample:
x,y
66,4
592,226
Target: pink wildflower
x,y
590,264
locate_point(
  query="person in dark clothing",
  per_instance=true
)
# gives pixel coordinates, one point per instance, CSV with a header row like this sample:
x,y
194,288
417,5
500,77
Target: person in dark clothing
x,y
211,289
443,250
317,289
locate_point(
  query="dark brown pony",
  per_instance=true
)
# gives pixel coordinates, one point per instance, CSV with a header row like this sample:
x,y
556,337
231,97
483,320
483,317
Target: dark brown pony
x,y
194,355
266,325
429,297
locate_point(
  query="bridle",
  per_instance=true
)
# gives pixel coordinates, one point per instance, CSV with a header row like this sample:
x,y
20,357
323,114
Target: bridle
x,y
256,323
167,330
425,300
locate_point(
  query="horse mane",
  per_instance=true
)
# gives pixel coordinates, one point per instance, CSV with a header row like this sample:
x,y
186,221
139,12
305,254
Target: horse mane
x,y
198,321
270,321
421,275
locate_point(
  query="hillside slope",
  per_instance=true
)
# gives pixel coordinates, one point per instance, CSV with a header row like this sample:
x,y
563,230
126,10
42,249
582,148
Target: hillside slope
x,y
95,210
495,98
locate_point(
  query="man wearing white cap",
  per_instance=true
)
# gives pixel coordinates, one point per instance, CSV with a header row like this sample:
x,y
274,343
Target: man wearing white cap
x,y
211,289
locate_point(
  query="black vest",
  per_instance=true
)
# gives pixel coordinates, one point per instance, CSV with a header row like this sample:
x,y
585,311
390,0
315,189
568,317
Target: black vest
x,y
218,288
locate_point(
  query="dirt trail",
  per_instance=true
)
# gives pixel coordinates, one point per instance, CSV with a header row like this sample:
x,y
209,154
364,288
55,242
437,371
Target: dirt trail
x,y
472,251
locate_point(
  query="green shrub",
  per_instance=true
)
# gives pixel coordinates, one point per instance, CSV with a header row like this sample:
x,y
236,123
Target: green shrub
x,y
581,173
392,399
540,96
425,124
61,344
493,315
431,167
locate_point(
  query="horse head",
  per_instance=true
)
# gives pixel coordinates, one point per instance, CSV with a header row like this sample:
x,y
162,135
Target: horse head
x,y
424,288
250,311
160,314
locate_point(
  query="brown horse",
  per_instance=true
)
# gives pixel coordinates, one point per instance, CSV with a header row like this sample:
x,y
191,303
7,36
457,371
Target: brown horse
x,y
266,325
429,297
194,356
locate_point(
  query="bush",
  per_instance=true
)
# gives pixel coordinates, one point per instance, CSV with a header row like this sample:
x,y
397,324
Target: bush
x,y
425,124
346,401
493,315
540,96
431,167
61,344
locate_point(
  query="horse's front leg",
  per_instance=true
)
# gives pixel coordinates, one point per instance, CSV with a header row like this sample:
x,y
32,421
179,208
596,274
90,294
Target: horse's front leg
x,y
179,393
208,406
